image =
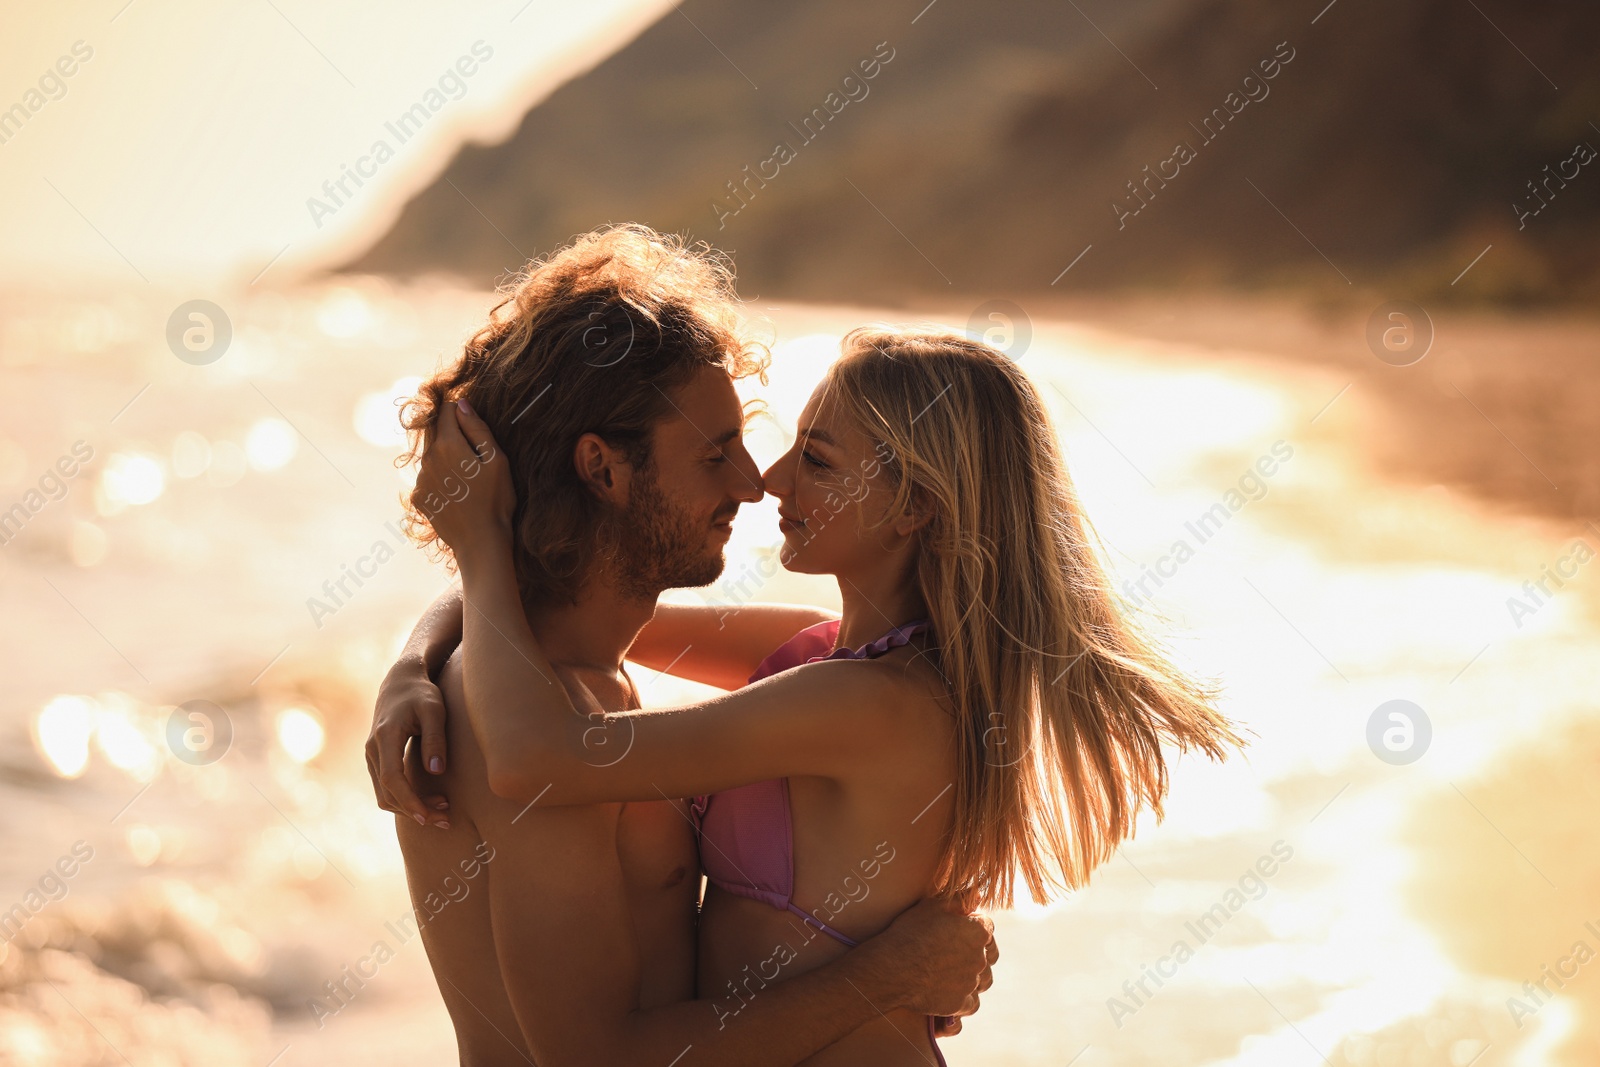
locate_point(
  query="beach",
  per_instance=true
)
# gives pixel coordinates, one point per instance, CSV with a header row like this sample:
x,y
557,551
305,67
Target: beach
x,y
199,615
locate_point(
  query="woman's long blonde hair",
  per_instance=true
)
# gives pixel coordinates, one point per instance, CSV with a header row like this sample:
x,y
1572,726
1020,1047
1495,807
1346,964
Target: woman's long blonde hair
x,y
1061,702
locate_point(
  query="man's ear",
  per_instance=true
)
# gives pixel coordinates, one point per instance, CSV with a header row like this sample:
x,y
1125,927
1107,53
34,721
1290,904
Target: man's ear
x,y
602,468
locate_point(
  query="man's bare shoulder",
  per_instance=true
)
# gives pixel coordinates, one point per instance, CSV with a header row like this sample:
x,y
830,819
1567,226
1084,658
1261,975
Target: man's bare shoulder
x,y
473,806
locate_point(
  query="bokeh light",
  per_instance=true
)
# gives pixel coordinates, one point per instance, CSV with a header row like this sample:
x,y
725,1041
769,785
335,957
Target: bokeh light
x,y
344,313
377,415
130,479
300,734
271,444
62,731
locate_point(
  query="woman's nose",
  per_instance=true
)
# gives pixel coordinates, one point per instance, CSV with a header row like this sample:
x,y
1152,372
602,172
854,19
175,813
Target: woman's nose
x,y
773,478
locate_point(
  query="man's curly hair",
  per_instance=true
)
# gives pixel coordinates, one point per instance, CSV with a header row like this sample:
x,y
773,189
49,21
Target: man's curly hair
x,y
591,339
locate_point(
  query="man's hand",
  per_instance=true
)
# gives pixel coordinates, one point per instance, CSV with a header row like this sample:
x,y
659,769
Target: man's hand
x,y
409,705
936,959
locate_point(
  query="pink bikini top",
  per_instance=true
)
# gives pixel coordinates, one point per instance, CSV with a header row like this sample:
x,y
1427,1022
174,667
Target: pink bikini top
x,y
745,842
746,845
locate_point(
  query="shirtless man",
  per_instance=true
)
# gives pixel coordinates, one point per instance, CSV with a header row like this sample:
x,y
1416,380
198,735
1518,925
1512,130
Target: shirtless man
x,y
573,940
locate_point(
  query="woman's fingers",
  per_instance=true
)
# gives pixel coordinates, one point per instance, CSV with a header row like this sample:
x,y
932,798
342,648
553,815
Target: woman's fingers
x,y
403,800
450,451
438,811
494,472
464,482
476,432
434,805
449,424
461,436
447,446
372,773
431,716
432,490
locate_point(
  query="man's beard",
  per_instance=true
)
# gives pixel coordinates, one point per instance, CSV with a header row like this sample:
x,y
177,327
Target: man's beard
x,y
657,546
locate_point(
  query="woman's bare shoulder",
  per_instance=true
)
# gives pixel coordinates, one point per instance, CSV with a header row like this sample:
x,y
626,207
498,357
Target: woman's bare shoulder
x,y
903,687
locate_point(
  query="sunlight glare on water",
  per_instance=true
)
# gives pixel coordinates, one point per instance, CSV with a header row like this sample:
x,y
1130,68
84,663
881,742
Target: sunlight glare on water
x,y
300,733
62,732
130,479
271,444
377,415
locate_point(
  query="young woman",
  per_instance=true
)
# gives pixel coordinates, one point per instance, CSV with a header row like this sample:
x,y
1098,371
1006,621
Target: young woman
x,y
983,711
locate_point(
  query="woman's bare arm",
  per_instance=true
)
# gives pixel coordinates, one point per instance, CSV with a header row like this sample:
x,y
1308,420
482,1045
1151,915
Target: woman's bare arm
x,y
720,646
717,646
828,719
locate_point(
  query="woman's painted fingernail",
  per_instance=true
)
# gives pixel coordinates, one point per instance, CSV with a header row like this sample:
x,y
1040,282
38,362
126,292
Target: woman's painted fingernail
x,y
466,407
436,765
420,820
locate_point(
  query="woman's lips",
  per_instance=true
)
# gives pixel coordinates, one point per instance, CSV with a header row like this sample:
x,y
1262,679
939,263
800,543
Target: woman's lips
x,y
785,523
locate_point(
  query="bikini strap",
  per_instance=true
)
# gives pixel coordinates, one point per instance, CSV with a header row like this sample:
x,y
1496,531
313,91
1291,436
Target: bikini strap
x,y
820,925
896,637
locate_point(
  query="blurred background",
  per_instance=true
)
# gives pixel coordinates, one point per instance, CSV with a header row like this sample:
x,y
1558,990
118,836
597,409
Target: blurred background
x,y
1310,289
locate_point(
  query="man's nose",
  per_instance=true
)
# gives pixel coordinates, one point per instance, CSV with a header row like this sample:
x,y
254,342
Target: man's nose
x,y
748,492
748,486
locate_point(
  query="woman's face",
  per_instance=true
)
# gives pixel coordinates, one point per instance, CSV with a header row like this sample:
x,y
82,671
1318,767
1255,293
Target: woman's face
x,y
832,489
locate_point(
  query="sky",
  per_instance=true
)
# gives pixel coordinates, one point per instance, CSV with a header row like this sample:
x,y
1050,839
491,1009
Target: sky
x,y
171,140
